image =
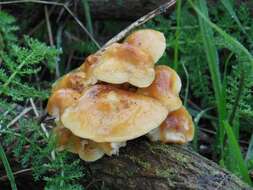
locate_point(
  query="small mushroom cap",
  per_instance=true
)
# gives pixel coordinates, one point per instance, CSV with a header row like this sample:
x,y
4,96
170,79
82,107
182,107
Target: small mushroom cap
x,y
87,150
107,114
90,152
177,128
79,78
60,100
88,66
121,63
165,88
111,148
74,80
66,140
151,41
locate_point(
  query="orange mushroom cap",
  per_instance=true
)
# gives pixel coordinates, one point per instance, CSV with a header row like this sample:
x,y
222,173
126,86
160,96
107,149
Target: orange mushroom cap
x,y
150,41
107,114
177,128
90,151
165,88
60,100
86,149
120,63
66,140
79,78
74,80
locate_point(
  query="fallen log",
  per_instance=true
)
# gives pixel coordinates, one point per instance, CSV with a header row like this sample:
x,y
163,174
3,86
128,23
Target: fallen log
x,y
126,9
146,165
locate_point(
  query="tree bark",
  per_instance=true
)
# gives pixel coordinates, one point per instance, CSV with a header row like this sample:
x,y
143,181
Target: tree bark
x,y
144,166
122,9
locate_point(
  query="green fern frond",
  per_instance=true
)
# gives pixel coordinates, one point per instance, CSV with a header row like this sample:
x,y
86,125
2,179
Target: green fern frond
x,y
7,30
18,66
21,62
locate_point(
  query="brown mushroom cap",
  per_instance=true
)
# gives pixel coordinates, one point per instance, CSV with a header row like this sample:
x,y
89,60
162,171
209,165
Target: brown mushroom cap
x,y
88,150
79,78
121,63
87,67
66,140
178,128
107,114
74,80
111,148
151,41
165,88
60,100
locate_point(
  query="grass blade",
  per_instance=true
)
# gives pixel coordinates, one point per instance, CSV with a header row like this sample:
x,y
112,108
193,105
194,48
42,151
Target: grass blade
x,y
187,85
236,156
228,5
87,15
178,17
213,64
249,154
7,168
233,44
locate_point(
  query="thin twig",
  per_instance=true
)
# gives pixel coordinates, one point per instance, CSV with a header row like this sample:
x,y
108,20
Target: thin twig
x,y
57,4
62,11
161,9
49,29
5,177
37,115
42,124
25,111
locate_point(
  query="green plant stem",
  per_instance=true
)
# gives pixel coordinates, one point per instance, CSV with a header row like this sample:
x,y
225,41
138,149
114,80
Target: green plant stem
x,y
178,10
87,15
187,85
225,70
7,168
238,97
249,154
213,64
16,71
237,159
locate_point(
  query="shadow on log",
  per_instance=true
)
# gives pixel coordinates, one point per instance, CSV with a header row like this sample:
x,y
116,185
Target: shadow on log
x,y
123,9
143,165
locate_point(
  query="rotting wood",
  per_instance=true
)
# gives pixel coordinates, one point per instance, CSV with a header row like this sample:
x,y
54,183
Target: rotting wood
x,y
143,165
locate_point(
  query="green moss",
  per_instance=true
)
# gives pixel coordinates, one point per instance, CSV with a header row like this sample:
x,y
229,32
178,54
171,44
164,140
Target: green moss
x,y
169,150
167,173
182,158
140,162
160,147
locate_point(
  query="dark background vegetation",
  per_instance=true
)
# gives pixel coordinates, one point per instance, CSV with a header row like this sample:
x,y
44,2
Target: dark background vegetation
x,y
186,52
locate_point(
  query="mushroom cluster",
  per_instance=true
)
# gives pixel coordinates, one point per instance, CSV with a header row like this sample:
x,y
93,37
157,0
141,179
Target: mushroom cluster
x,y
118,95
